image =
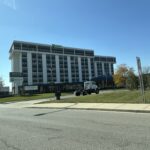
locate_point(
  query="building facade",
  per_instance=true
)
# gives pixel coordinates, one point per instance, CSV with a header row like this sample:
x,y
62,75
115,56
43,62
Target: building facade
x,y
43,65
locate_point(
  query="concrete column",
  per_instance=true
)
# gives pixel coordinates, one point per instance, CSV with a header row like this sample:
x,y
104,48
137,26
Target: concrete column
x,y
20,62
104,73
69,69
95,66
17,62
29,61
16,89
57,69
89,68
110,72
44,68
80,69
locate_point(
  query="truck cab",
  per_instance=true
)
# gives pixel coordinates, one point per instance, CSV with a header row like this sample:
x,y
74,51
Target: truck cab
x,y
89,87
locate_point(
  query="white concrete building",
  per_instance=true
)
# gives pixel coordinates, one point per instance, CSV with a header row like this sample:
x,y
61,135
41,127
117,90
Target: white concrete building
x,y
43,65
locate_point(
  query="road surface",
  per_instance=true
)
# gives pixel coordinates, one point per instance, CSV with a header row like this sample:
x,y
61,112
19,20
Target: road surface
x,y
46,129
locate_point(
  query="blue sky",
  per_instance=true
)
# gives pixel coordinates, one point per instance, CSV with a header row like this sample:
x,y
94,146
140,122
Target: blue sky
x,y
118,28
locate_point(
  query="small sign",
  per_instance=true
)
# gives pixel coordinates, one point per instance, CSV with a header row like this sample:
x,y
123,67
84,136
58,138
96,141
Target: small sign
x,y
30,88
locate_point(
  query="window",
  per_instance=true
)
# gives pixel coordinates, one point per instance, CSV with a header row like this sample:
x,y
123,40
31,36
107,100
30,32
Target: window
x,y
63,68
99,69
58,50
79,52
106,68
89,53
69,51
17,46
51,68
44,49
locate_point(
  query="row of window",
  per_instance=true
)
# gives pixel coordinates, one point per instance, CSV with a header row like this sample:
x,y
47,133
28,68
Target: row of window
x,y
63,68
53,49
106,69
105,59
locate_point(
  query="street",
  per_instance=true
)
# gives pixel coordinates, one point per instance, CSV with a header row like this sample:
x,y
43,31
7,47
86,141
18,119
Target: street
x,y
59,129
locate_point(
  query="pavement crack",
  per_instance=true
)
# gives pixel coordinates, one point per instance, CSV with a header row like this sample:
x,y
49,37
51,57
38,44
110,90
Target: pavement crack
x,y
51,112
52,129
54,138
8,145
42,114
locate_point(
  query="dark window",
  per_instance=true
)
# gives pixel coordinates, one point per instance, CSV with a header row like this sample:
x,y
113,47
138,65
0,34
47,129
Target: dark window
x,y
106,68
58,50
89,53
112,69
99,69
96,58
79,52
44,49
103,59
69,51
17,46
28,47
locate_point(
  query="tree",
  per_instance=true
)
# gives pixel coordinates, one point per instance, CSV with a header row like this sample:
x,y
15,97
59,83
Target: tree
x,y
125,77
131,80
146,70
1,82
120,75
146,76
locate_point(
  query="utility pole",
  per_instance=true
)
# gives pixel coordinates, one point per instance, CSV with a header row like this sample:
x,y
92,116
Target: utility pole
x,y
141,78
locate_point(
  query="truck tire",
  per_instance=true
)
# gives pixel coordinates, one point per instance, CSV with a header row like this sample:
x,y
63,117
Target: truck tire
x,y
77,93
89,92
84,93
97,91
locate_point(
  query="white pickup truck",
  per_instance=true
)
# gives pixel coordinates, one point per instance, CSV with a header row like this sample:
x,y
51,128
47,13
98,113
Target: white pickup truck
x,y
89,87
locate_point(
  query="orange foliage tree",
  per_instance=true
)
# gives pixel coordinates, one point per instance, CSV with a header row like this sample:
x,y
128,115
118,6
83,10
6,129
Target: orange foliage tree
x,y
120,75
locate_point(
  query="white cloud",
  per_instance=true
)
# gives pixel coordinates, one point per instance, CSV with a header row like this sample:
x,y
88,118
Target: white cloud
x,y
9,3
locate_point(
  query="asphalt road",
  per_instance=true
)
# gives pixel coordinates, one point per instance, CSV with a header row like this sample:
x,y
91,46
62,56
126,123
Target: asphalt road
x,y
46,129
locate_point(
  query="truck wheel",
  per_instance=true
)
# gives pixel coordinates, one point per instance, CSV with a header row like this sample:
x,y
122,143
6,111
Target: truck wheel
x,y
89,92
77,93
97,92
84,93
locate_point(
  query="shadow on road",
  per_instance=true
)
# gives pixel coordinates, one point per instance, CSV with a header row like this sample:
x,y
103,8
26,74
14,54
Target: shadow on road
x,y
63,109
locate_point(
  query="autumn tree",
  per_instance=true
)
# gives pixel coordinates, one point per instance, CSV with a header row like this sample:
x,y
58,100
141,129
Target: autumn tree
x,y
120,75
125,77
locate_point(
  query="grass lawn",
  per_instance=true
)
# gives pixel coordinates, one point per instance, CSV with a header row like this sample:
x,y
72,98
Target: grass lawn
x,y
112,97
29,97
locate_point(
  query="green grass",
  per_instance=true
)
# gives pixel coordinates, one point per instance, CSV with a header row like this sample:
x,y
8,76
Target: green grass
x,y
113,97
29,97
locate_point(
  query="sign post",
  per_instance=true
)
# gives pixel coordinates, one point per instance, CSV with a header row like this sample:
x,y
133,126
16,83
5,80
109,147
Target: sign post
x,y
140,78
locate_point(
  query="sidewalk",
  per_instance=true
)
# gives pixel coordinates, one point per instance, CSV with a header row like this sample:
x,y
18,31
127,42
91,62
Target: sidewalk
x,y
144,108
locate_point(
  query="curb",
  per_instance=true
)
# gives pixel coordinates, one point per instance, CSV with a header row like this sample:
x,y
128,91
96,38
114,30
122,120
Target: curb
x,y
101,109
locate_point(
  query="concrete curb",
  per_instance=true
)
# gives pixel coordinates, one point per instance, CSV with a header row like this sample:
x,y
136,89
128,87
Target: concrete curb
x,y
98,109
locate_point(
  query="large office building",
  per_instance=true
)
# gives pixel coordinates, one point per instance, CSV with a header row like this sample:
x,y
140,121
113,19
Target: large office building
x,y
44,65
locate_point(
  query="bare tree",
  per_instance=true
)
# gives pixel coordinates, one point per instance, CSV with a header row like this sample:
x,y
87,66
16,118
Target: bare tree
x,y
146,70
1,82
146,76
132,80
